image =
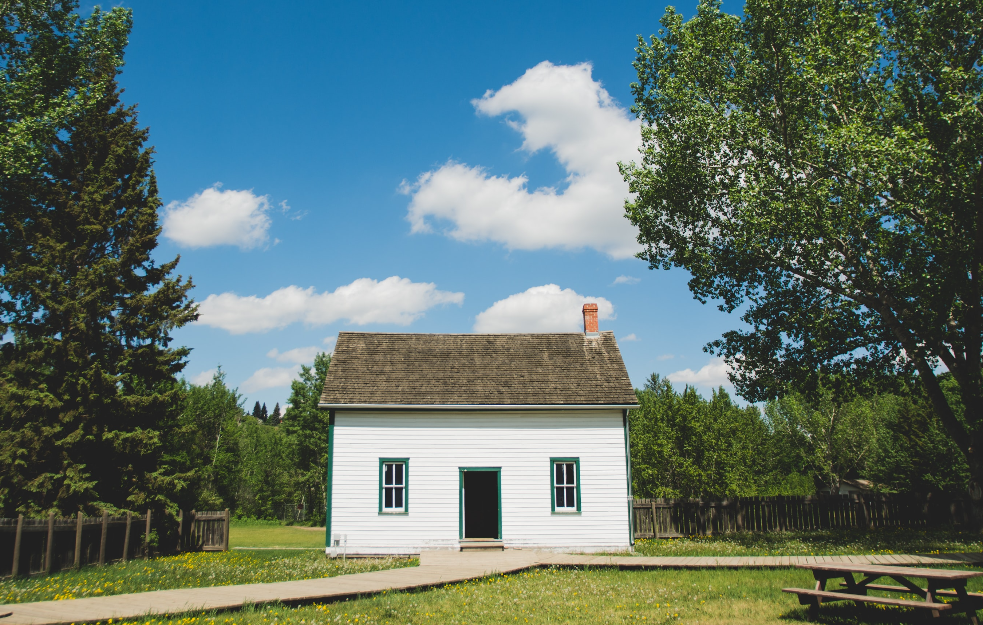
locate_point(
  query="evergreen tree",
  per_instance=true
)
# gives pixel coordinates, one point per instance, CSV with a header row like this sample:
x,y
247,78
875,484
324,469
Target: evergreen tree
x,y
264,415
257,412
87,384
275,417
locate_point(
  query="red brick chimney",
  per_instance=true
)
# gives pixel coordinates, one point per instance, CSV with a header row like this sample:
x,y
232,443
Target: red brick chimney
x,y
590,319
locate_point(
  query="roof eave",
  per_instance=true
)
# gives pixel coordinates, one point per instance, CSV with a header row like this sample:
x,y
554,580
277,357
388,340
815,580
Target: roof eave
x,y
325,406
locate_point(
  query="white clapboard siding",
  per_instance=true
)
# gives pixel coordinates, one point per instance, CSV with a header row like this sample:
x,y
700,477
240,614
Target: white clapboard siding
x,y
439,443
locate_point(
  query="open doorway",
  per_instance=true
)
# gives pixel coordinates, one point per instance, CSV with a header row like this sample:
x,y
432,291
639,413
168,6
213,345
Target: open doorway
x,y
481,503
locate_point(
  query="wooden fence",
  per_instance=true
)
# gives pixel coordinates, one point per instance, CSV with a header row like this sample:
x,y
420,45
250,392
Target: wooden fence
x,y
41,546
672,518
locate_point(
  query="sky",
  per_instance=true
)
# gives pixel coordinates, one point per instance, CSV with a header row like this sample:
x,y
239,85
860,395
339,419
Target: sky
x,y
403,167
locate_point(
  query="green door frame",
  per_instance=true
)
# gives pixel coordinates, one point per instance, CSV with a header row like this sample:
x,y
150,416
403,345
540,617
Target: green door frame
x,y
460,498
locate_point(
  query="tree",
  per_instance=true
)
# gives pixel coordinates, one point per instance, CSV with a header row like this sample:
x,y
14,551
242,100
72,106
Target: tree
x,y
205,444
685,446
257,412
264,415
275,417
308,425
818,164
87,383
831,440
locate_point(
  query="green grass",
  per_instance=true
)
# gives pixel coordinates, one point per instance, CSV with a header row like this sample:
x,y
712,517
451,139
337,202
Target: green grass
x,y
548,596
190,570
273,534
830,542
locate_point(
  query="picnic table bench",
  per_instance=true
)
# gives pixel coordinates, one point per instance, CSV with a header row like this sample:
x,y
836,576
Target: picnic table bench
x,y
940,583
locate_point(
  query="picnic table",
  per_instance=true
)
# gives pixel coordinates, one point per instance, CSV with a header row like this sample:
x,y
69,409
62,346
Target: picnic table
x,y
940,583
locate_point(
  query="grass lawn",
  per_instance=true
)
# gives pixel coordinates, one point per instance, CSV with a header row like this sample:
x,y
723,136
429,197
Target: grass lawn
x,y
717,596
189,570
827,543
273,534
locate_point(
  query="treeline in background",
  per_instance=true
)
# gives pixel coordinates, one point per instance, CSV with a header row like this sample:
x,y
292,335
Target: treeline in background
x,y
263,468
683,445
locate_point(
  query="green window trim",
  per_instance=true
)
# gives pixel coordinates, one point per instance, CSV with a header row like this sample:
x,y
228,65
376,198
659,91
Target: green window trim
x,y
553,463
406,485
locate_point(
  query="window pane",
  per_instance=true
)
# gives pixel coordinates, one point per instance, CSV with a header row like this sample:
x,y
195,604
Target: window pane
x,y
398,480
571,498
388,499
559,473
559,498
570,478
398,493
388,472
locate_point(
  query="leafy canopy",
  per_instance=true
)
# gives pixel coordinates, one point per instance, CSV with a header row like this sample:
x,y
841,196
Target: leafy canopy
x,y
818,165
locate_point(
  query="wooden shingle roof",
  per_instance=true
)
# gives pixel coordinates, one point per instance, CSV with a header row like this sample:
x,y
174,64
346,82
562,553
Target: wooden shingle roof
x,y
370,368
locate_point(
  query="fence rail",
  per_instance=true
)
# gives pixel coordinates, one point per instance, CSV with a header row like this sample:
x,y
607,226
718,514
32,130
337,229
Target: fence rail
x,y
671,518
47,545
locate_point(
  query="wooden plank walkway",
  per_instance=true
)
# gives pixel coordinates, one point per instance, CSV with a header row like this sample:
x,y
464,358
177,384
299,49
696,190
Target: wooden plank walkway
x,y
436,569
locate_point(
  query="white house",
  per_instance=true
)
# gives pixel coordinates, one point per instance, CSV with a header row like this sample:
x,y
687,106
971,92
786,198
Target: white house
x,y
457,441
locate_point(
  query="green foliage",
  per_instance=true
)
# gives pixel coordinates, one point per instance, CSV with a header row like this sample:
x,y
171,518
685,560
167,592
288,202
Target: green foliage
x,y
87,381
257,468
308,425
685,446
817,164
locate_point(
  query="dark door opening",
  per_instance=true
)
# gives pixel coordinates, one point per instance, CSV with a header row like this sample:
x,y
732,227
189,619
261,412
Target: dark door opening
x,y
480,499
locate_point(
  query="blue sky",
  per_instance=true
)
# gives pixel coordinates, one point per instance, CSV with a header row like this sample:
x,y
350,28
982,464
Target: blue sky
x,y
421,167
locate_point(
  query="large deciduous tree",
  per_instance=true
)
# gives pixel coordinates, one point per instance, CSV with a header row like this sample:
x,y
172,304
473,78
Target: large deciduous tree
x,y
818,165
87,373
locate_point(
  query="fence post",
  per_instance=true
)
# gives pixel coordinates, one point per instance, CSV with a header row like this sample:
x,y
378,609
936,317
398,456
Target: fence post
x,y
655,525
180,529
126,537
78,541
14,569
739,513
50,544
146,538
102,537
225,547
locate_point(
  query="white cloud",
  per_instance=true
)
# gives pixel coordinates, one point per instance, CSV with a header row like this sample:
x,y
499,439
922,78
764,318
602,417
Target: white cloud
x,y
329,342
217,217
627,280
712,374
298,355
204,378
394,300
563,109
666,357
630,337
270,377
541,309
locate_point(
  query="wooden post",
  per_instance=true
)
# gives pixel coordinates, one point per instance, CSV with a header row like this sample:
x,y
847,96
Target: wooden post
x,y
102,539
126,537
146,538
50,545
78,541
225,547
180,529
655,523
739,513
15,567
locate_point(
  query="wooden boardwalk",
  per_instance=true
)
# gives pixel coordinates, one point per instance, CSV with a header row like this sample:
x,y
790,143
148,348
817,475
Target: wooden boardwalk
x,y
436,569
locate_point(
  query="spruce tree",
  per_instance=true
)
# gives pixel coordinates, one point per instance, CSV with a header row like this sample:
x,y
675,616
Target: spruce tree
x,y
275,417
265,413
257,412
87,384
